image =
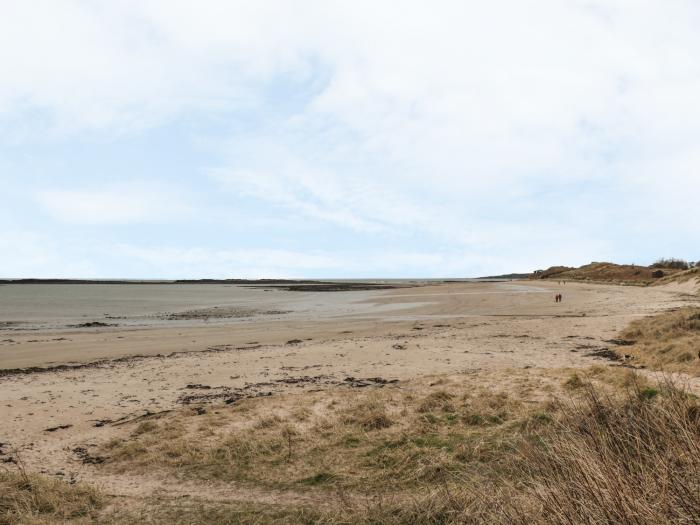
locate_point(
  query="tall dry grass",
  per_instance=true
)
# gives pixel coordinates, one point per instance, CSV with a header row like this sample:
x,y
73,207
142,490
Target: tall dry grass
x,y
629,461
35,499
669,341
381,440
602,455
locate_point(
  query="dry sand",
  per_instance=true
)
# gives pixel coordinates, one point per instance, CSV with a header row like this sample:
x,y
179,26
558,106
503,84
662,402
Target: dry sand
x,y
493,331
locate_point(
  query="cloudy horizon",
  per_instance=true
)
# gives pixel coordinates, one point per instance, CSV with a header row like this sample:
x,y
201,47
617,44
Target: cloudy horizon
x,y
244,139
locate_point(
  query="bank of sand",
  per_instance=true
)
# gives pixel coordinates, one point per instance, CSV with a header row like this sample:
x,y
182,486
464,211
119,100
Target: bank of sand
x,y
494,333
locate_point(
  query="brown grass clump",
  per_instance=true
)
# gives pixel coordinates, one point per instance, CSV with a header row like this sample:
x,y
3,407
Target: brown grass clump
x,y
668,341
441,400
33,499
369,415
574,382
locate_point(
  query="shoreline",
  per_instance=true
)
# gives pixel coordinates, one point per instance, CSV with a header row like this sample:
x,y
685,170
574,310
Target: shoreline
x,y
372,314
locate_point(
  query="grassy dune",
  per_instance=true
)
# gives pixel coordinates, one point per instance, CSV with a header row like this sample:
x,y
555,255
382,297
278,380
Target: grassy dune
x,y
630,274
605,448
681,277
668,341
388,440
600,454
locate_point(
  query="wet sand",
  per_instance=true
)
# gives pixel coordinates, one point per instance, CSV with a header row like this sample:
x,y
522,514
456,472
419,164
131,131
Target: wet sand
x,y
488,329
243,318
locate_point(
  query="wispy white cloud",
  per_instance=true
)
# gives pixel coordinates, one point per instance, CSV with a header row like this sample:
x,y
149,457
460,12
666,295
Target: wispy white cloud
x,y
295,195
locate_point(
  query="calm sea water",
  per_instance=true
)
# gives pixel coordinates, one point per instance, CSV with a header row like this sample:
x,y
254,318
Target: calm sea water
x,y
56,306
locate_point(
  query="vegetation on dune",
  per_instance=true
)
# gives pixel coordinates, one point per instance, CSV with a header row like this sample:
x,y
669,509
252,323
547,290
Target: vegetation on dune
x,y
682,276
158,512
677,264
33,499
668,341
630,457
663,269
629,460
386,438
608,448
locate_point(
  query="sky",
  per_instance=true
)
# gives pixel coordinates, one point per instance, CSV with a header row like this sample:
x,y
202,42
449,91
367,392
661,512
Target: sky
x,y
248,139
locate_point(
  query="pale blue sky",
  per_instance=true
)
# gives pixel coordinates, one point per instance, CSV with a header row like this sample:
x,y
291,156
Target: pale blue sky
x,y
164,139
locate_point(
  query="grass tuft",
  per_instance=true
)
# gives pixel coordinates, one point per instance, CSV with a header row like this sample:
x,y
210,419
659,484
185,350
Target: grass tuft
x,y
30,498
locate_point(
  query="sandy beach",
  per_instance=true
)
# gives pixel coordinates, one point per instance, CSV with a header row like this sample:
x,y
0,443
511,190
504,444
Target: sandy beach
x,y
499,333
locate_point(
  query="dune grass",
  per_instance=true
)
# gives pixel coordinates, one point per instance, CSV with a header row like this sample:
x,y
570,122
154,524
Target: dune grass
x,y
34,499
669,341
606,447
630,459
605,272
682,277
388,440
158,512
629,456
